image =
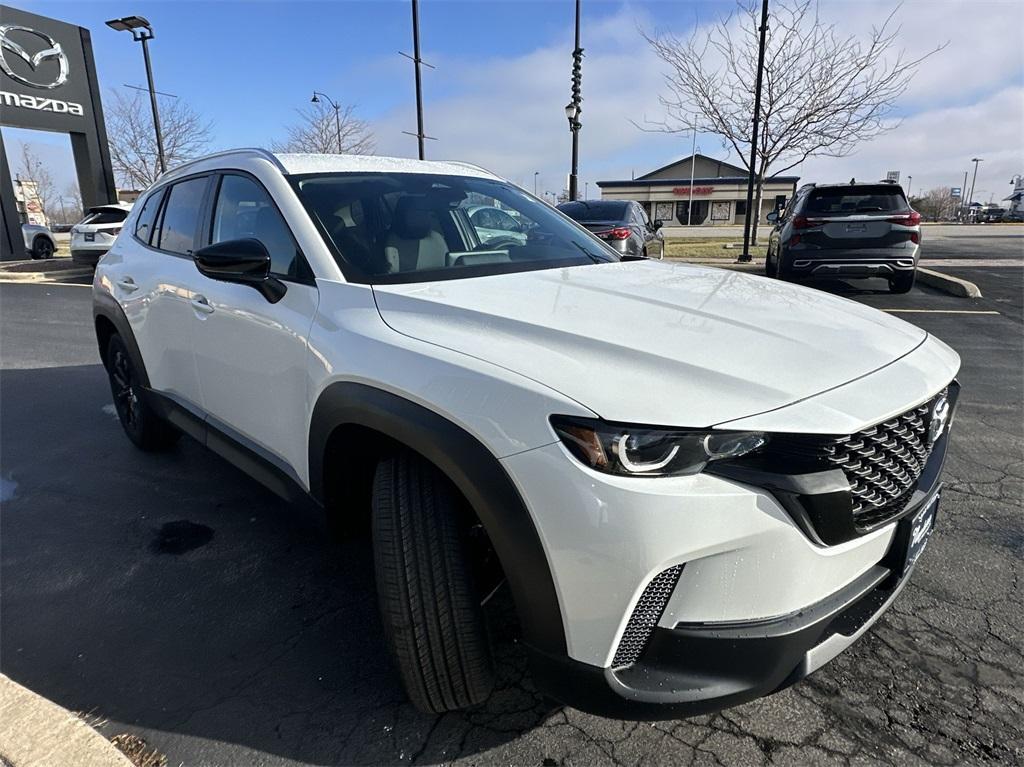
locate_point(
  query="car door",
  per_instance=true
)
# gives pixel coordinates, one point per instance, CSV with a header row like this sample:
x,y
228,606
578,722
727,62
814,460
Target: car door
x,y
152,276
653,240
251,353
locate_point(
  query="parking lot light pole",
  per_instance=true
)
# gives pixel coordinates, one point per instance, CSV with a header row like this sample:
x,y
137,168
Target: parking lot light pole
x,y
745,255
574,108
970,197
535,174
142,32
337,113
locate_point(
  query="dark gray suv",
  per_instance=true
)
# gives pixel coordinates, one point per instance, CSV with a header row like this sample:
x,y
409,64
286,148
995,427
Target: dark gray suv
x,y
623,224
846,231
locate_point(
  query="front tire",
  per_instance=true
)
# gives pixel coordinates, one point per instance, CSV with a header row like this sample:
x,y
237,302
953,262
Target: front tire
x,y
144,428
771,267
430,610
902,282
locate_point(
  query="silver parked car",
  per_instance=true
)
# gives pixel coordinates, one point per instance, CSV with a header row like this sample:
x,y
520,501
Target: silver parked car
x,y
39,241
846,231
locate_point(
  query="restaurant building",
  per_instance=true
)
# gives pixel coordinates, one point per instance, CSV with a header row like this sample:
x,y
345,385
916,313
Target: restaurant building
x,y
719,193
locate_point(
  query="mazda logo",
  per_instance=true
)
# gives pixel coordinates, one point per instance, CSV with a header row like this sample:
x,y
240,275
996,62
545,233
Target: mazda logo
x,y
10,50
939,419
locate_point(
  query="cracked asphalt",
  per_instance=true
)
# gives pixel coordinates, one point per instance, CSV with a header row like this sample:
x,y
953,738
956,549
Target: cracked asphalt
x,y
179,600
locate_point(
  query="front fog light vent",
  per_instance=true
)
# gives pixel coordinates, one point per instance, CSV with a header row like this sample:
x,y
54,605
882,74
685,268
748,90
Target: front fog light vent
x,y
646,615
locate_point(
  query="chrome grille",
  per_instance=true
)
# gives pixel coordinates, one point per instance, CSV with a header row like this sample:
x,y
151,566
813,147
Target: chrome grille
x,y
646,615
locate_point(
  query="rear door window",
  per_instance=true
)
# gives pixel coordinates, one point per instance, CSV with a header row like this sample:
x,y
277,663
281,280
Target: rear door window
x,y
147,216
181,216
105,216
855,201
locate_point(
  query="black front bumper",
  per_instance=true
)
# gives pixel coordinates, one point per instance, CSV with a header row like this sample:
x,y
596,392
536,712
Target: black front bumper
x,y
694,669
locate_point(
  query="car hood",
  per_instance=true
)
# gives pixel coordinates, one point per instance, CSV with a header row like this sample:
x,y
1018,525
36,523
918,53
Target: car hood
x,y
655,343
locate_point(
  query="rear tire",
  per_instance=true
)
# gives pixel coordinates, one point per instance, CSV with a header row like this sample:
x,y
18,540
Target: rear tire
x,y
42,248
902,282
430,610
144,428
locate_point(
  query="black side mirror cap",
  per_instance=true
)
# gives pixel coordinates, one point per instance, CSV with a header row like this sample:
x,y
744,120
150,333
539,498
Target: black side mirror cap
x,y
772,217
657,224
245,262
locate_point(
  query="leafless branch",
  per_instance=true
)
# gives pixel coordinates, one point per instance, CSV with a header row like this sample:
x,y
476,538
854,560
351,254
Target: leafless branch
x,y
318,129
824,92
133,142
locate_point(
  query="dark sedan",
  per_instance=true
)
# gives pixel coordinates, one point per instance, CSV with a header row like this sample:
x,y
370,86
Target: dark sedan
x,y
623,224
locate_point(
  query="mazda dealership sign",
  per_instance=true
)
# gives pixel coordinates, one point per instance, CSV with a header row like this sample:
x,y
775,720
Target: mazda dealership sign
x,y
48,82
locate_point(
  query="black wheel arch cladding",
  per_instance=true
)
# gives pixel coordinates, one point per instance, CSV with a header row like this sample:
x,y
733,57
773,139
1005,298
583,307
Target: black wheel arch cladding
x,y
478,475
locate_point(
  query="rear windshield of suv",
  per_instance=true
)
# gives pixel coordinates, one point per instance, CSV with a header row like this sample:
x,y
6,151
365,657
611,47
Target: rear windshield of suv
x,y
415,227
855,200
105,216
599,210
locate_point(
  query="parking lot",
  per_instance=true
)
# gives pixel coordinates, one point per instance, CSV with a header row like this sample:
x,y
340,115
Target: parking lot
x,y
176,598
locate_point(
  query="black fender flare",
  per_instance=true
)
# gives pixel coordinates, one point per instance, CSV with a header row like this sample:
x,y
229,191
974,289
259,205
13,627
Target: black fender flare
x,y
106,306
476,472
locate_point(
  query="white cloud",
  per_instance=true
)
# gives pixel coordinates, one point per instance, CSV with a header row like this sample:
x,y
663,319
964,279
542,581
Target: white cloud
x,y
506,113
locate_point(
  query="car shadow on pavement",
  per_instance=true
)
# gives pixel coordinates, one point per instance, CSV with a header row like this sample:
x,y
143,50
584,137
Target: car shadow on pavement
x,y
171,593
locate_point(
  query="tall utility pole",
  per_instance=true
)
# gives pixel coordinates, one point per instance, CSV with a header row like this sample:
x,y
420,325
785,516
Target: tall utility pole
x,y
693,165
419,134
573,108
142,32
970,199
745,255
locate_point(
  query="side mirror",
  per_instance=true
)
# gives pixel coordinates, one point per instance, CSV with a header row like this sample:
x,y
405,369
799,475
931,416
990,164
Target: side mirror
x,y
773,217
245,262
657,224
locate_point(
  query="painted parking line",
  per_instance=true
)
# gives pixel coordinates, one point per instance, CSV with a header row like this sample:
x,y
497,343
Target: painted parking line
x,y
938,311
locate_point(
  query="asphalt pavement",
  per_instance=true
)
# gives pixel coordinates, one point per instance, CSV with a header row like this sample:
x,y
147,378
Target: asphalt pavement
x,y
178,599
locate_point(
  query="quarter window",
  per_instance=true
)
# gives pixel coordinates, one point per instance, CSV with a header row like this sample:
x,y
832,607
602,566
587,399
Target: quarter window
x,y
245,210
181,216
147,217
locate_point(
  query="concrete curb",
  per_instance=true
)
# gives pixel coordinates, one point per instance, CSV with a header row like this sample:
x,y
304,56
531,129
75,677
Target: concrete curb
x,y
43,276
35,732
947,283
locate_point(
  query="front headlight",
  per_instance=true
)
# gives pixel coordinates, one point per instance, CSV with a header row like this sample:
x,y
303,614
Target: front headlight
x,y
643,451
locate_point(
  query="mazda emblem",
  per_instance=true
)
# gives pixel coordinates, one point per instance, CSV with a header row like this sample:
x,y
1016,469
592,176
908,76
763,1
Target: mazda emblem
x,y
939,419
9,50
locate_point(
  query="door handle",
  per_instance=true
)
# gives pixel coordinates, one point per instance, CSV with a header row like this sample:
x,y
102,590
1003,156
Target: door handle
x,y
127,284
200,304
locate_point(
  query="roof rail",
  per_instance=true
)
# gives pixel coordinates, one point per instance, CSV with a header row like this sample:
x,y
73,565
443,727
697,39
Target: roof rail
x,y
258,151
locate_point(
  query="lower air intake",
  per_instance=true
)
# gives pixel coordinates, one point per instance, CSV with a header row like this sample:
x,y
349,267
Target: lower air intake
x,y
646,616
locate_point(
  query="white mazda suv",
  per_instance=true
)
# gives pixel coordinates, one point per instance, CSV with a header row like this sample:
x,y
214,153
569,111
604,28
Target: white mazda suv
x,y
699,486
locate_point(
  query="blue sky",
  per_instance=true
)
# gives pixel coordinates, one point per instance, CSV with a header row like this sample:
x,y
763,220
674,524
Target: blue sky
x,y
501,81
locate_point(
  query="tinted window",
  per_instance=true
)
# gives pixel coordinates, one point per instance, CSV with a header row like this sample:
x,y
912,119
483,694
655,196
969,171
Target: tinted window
x,y
181,215
144,223
411,227
244,210
105,216
849,201
598,210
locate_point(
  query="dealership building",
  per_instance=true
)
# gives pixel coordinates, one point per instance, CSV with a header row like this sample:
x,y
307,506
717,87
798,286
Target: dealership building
x,y
719,193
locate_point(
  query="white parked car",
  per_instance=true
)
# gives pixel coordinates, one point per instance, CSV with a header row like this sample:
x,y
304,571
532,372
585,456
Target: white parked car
x,y
93,235
496,225
700,485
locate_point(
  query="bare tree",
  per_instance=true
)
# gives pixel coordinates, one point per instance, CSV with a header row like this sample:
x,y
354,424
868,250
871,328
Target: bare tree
x,y
74,196
133,142
31,168
937,204
824,91
321,130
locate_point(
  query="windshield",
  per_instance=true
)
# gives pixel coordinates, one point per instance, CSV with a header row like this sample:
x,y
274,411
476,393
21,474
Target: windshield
x,y
849,201
599,210
415,227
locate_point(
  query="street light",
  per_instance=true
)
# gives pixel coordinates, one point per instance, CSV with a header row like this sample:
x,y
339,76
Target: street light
x,y
573,109
337,113
142,32
970,197
535,174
